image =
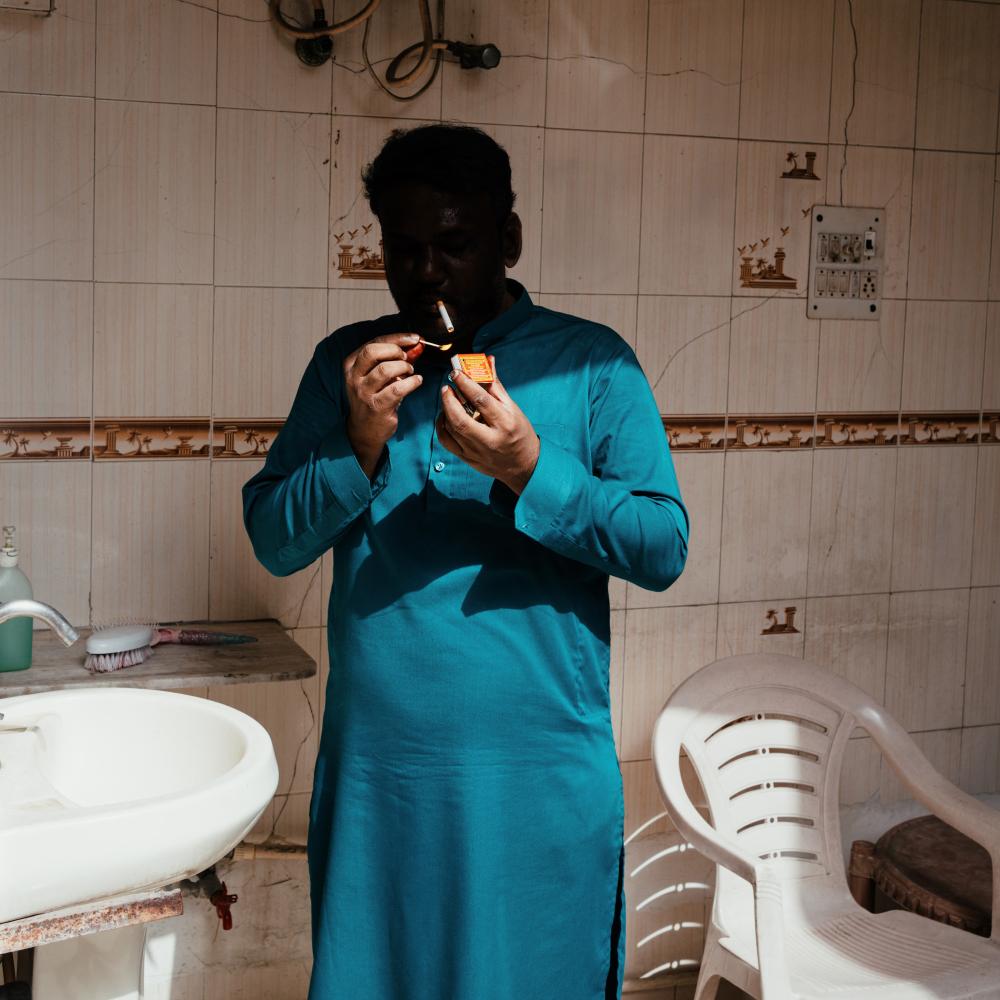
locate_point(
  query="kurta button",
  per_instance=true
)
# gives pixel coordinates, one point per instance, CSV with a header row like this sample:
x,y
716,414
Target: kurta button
x,y
438,466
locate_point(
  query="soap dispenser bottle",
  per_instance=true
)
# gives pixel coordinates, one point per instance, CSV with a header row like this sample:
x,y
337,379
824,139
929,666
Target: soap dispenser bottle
x,y
16,633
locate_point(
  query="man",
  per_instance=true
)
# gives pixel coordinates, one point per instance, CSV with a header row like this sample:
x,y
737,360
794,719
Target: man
x,y
466,823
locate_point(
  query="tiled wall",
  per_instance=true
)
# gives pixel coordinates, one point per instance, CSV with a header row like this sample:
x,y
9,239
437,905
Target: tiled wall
x,y
180,221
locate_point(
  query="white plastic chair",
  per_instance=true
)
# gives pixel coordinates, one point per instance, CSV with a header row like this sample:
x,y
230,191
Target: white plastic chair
x,y
766,735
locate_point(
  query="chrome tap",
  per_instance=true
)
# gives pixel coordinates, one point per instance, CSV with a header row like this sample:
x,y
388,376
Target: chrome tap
x,y
25,608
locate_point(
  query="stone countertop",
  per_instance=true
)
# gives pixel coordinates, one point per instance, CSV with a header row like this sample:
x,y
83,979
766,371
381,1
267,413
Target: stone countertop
x,y
89,918
274,657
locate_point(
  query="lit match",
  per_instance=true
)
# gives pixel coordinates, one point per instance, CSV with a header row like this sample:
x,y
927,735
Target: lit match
x,y
445,318
430,343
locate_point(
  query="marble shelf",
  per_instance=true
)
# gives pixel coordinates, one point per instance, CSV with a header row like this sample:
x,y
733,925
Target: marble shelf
x,y
89,918
274,657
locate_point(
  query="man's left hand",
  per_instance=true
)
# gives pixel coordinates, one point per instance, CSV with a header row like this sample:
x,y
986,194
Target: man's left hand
x,y
501,443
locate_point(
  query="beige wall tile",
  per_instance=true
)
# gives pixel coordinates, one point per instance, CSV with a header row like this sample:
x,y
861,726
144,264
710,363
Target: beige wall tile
x,y
49,504
693,76
942,367
155,192
772,363
395,26
766,203
595,250
786,70
264,339
663,646
288,711
765,525
47,198
700,478
682,343
291,814
150,555
46,337
356,142
982,679
616,311
848,636
258,67
986,537
850,532
881,178
617,591
944,751
616,675
861,362
526,148
980,767
991,375
741,627
925,669
156,51
688,192
959,78
860,774
935,493
49,55
352,305
885,85
950,230
514,92
152,350
240,587
272,192
597,65
995,254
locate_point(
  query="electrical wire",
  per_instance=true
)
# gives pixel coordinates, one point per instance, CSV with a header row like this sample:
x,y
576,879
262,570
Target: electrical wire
x,y
339,27
429,46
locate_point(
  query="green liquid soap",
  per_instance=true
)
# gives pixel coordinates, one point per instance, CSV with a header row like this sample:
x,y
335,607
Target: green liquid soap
x,y
16,633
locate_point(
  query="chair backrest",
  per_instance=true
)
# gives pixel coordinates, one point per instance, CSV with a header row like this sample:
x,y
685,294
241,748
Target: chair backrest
x,y
766,735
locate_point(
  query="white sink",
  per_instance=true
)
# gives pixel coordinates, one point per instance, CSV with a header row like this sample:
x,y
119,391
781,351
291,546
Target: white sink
x,y
118,789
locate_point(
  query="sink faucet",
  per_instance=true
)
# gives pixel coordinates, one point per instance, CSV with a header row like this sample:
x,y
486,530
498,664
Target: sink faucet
x,y
24,608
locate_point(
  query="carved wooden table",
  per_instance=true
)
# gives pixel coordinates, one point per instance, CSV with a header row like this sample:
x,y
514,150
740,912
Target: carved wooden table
x,y
927,867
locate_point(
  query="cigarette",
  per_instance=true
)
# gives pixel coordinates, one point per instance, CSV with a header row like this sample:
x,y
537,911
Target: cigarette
x,y
445,318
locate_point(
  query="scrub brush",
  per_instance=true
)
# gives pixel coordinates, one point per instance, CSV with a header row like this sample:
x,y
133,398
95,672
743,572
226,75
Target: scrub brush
x,y
126,645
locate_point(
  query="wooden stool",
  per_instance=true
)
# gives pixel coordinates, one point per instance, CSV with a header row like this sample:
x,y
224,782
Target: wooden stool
x,y
927,867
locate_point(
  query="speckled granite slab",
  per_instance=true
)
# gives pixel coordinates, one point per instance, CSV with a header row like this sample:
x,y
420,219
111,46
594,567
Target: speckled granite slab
x,y
89,918
274,657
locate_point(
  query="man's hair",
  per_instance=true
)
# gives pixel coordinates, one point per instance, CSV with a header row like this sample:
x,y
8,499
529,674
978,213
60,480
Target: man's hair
x,y
454,159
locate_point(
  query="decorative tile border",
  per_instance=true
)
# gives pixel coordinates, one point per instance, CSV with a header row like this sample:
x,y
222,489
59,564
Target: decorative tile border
x,y
243,438
40,439
858,429
940,428
696,433
237,437
750,431
155,438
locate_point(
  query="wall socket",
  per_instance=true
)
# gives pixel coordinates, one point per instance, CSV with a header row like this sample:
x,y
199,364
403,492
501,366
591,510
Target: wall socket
x,y
846,260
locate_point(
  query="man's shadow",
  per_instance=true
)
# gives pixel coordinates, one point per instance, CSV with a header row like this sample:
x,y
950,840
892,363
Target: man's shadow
x,y
430,535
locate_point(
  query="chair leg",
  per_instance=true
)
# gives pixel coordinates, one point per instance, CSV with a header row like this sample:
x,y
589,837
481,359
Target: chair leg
x,y
708,985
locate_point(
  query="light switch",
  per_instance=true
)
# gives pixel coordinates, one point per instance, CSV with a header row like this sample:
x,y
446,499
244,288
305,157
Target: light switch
x,y
846,262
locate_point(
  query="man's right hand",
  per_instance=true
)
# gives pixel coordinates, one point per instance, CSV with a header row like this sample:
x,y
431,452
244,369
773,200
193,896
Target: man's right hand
x,y
378,378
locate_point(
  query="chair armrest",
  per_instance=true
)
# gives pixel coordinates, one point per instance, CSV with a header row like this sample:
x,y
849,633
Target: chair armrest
x,y
770,921
957,808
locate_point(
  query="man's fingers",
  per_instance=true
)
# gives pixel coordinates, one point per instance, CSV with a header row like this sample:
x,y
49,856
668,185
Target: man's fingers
x,y
497,388
384,373
395,392
477,397
459,422
386,347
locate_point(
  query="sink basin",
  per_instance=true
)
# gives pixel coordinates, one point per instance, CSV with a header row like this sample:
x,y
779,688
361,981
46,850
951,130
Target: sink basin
x,y
118,789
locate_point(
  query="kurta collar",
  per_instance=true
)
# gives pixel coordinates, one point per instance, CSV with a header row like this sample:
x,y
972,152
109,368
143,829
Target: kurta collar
x,y
494,331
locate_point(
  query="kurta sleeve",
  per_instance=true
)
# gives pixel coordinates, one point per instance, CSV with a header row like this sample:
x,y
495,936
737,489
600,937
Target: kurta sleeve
x,y
623,514
311,487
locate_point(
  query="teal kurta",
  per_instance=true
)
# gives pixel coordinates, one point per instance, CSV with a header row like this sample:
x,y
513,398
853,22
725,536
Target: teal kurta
x,y
466,822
